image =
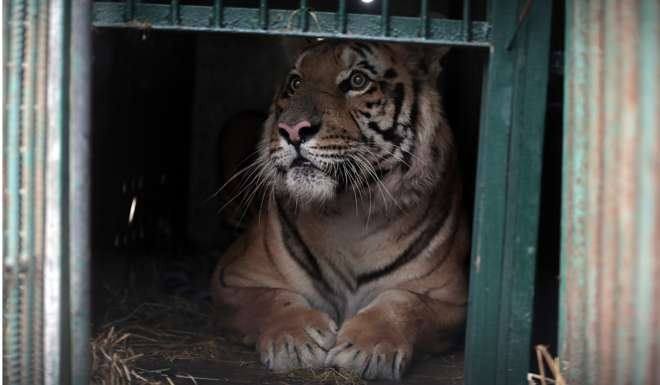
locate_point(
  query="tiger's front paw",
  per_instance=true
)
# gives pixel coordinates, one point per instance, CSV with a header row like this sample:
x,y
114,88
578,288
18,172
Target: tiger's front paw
x,y
298,339
370,350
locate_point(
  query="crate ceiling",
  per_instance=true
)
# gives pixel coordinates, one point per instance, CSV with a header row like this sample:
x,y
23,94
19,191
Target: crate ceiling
x,y
303,21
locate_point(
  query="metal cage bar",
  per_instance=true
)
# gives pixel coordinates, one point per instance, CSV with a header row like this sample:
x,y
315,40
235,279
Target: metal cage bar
x,y
303,21
263,14
217,19
341,17
12,307
175,12
424,19
79,196
263,20
385,17
467,20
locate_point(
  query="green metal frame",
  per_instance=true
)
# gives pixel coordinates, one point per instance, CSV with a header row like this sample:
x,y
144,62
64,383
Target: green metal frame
x,y
508,178
508,195
301,22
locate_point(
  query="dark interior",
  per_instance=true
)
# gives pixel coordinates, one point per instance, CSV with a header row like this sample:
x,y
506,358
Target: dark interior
x,y
160,102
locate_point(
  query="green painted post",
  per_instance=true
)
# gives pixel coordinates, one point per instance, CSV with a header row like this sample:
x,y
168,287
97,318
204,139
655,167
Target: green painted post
x,y
507,196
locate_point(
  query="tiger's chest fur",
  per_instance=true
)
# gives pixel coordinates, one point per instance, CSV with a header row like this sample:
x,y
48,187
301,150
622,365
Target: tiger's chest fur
x,y
352,251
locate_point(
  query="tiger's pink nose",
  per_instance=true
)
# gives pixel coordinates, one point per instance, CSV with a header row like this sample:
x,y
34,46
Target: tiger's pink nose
x,y
300,131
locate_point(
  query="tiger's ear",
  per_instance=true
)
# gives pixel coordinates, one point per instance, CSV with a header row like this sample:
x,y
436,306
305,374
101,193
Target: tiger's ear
x,y
293,46
433,60
423,60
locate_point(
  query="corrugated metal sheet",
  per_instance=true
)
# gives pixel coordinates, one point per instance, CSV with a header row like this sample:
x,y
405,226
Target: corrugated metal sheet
x,y
610,292
46,221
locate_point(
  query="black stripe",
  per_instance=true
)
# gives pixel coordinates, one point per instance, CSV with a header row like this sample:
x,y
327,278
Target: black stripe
x,y
364,113
345,85
312,268
371,105
222,277
374,126
307,261
414,117
412,251
390,133
363,46
363,138
366,65
358,50
315,266
414,108
442,261
390,73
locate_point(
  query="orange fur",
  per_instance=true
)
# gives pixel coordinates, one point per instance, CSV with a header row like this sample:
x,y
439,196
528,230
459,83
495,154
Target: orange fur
x,y
357,259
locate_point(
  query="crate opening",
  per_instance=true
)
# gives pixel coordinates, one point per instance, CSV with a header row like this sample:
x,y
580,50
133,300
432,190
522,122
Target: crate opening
x,y
173,114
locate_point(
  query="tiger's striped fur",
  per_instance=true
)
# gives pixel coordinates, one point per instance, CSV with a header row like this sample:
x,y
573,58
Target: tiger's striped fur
x,y
357,259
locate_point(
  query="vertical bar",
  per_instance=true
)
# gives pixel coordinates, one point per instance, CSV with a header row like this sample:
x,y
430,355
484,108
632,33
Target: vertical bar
x,y
507,198
79,189
56,323
593,79
218,14
129,11
608,255
263,14
175,12
341,17
424,19
303,20
27,259
12,197
466,24
385,18
629,185
647,323
13,125
574,219
40,186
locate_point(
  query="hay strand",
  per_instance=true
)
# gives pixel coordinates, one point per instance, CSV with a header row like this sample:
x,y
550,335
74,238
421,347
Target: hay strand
x,y
543,359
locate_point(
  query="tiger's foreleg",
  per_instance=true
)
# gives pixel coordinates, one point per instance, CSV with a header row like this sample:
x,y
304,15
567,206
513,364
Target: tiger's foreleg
x,y
379,341
288,333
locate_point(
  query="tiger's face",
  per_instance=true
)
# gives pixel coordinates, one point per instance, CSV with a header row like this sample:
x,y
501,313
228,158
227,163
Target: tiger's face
x,y
346,117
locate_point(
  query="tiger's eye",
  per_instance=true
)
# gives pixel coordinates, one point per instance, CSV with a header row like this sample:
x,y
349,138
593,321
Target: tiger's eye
x,y
358,80
295,82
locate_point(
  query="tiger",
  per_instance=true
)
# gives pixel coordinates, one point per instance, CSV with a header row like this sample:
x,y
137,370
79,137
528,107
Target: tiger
x,y
357,258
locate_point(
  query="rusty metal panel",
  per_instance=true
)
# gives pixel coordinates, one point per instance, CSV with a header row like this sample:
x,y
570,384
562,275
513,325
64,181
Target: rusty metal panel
x,y
610,312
